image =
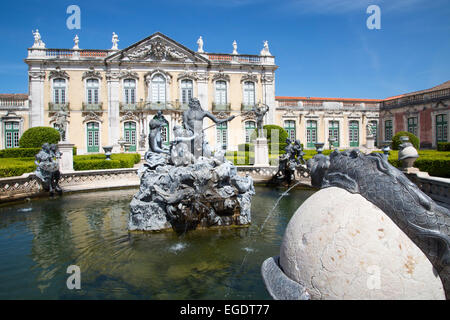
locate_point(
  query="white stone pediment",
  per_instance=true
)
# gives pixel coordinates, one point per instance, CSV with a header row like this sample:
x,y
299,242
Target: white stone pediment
x,y
157,47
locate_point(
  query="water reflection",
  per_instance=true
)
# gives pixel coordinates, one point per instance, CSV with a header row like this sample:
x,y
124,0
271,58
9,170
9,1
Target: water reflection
x,y
90,230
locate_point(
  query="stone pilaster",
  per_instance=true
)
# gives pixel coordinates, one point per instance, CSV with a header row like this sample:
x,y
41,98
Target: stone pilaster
x,y
114,130
268,90
36,81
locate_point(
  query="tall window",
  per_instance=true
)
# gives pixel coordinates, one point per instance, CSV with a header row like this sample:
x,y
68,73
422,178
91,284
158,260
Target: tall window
x,y
333,132
222,135
165,138
412,125
249,93
353,132
158,89
250,127
374,124
441,128
187,91
59,91
93,143
388,130
129,88
130,134
11,134
289,126
311,133
221,93
92,87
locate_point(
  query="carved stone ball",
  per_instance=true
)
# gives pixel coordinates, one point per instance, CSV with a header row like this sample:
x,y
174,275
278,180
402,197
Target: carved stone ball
x,y
341,246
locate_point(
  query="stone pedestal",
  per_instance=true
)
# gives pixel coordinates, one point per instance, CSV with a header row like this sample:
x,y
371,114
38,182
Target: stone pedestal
x,y
66,160
370,142
261,152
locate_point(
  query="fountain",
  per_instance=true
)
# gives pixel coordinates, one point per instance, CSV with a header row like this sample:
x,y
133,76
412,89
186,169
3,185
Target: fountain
x,y
369,233
47,171
184,187
289,163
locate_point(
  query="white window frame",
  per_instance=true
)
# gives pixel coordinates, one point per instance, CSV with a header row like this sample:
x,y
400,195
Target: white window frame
x,y
124,89
181,89
87,88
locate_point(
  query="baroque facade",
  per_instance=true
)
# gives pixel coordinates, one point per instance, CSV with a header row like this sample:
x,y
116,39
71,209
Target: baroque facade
x,y
314,120
111,95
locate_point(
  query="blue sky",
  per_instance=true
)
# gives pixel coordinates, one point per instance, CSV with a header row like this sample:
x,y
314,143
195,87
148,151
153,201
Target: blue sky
x,y
323,47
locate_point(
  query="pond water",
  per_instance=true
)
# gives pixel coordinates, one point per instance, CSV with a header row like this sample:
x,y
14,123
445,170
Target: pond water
x,y
41,238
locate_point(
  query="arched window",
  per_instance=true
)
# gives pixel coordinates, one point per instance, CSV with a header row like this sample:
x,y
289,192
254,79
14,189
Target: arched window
x,y
158,89
311,133
333,132
11,134
388,130
441,128
221,93
186,91
130,134
250,127
129,91
374,125
249,93
222,135
93,137
412,125
59,91
289,126
353,133
92,87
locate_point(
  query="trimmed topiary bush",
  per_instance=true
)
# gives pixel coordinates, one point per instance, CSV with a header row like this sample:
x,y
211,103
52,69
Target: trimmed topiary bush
x,y
270,129
35,137
396,142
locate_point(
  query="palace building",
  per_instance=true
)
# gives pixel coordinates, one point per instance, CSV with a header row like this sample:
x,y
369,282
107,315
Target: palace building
x,y
110,96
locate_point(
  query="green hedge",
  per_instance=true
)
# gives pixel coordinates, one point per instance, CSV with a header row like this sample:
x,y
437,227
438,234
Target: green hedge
x,y
23,152
99,162
396,142
35,137
19,152
96,165
443,146
10,167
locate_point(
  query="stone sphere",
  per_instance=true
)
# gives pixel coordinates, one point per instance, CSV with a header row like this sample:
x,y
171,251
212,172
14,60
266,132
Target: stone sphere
x,y
341,246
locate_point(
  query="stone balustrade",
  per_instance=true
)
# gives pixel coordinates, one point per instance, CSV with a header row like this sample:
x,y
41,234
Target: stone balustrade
x,y
436,188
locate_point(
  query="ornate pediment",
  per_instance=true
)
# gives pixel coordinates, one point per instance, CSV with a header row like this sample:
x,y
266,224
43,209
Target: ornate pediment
x,y
129,116
91,116
157,47
58,73
220,76
249,77
149,75
248,115
129,74
188,75
92,74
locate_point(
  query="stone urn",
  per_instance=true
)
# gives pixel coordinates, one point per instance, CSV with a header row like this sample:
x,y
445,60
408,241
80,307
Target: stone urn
x,y
108,150
407,154
319,147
